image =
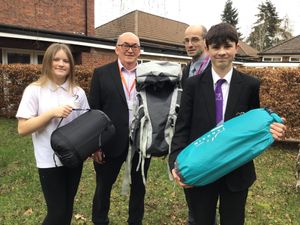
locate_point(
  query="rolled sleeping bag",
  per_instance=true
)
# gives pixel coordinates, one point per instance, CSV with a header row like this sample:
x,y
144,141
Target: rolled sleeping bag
x,y
76,141
226,147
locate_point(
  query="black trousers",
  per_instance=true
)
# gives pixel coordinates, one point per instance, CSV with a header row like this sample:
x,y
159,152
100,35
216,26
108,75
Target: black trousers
x,y
202,202
106,175
191,220
59,186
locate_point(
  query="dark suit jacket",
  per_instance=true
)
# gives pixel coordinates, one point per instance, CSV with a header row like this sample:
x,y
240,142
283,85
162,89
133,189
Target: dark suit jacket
x,y
107,95
186,71
197,116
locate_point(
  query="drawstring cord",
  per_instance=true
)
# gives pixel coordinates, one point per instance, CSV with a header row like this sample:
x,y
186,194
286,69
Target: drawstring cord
x,y
58,127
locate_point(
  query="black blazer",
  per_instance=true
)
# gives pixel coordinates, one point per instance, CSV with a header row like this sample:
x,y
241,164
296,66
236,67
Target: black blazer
x,y
107,95
197,116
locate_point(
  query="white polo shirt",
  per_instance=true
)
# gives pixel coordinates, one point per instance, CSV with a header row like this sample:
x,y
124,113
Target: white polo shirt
x,y
37,100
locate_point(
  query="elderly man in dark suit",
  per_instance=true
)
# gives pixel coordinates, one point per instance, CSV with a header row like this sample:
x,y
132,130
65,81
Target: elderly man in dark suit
x,y
200,111
113,91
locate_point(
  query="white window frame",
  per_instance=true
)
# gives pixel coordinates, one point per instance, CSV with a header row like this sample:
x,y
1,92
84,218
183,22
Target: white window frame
x,y
267,59
296,59
33,54
271,59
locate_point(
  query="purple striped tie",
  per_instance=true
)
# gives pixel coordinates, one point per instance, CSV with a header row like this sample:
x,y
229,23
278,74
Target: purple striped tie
x,y
219,101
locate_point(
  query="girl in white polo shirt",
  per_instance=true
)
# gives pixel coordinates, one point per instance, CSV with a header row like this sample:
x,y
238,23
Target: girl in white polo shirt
x,y
52,97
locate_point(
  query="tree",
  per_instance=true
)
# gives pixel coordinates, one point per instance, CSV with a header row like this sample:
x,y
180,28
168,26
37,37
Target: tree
x,y
230,15
267,30
285,31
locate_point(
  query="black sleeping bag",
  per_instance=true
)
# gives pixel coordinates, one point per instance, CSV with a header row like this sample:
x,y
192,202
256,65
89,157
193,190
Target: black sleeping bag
x,y
76,141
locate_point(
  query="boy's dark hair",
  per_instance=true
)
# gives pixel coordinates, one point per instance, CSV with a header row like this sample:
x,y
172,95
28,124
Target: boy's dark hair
x,y
220,34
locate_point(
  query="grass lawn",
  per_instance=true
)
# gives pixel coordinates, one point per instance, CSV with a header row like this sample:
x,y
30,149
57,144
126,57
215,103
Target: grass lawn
x,y
272,199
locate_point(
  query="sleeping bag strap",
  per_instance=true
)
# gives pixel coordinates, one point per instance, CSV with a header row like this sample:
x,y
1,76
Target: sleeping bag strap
x,y
175,102
144,139
72,110
127,174
58,127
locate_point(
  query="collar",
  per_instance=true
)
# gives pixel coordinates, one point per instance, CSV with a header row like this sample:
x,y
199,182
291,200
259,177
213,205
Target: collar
x,y
216,77
123,67
200,57
54,87
198,60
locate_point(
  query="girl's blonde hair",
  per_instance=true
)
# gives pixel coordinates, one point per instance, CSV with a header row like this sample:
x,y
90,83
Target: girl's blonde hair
x,y
47,73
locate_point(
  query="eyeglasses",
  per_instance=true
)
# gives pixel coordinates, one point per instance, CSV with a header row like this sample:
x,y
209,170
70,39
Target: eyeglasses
x,y
193,40
126,47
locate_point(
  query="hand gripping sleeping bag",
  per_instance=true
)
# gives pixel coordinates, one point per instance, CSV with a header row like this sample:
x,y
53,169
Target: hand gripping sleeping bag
x,y
76,141
226,147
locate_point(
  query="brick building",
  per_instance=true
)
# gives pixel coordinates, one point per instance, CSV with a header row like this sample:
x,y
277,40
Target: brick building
x,y
72,16
28,27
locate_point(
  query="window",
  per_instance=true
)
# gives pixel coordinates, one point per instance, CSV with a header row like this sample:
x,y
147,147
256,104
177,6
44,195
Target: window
x,y
143,61
267,59
295,59
11,56
40,59
18,58
272,59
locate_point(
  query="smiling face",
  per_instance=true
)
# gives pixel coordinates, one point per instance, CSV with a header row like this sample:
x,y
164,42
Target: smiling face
x,y
128,49
193,41
222,55
60,67
222,45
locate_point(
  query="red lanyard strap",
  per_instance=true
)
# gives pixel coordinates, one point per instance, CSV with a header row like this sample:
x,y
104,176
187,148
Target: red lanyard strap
x,y
128,90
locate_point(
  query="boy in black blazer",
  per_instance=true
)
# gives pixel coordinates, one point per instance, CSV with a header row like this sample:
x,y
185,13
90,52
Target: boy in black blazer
x,y
197,115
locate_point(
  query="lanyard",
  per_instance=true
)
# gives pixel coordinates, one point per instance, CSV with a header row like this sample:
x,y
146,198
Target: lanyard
x,y
128,90
202,65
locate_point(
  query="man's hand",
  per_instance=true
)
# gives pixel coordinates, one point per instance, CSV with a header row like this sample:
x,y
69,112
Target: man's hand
x,y
99,156
177,179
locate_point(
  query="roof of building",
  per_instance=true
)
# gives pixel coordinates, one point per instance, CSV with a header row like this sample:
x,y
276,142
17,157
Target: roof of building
x,y
147,26
290,46
36,37
19,32
246,50
156,31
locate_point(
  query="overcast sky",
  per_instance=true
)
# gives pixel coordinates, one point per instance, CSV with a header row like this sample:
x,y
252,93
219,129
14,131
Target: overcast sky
x,y
207,13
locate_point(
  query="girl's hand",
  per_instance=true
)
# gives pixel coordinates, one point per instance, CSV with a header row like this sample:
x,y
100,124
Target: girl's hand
x,y
62,111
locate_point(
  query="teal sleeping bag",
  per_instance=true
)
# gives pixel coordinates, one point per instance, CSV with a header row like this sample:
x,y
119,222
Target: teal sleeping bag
x,y
226,147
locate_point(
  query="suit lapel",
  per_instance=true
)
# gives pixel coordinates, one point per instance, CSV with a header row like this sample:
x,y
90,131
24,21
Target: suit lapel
x,y
233,95
209,94
186,71
117,81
